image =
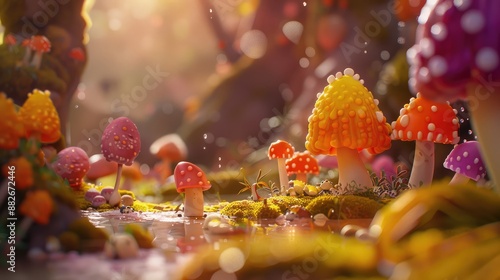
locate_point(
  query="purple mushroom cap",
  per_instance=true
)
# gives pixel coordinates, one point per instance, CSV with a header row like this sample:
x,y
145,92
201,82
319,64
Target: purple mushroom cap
x,y
72,164
466,159
458,44
121,141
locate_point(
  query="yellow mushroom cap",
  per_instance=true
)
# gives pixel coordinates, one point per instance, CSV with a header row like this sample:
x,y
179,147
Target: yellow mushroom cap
x,y
40,117
347,115
11,126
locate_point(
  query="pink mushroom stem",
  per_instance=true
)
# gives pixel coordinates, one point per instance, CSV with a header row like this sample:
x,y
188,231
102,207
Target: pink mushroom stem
x,y
422,170
193,202
351,168
485,115
115,197
459,179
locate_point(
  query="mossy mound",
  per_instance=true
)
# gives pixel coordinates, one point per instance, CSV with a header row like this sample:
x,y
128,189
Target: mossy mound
x,y
238,209
266,210
285,202
344,207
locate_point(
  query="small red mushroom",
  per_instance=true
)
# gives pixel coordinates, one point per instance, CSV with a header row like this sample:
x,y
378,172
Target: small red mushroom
x,y
40,44
302,164
120,143
281,150
72,164
77,54
10,40
191,181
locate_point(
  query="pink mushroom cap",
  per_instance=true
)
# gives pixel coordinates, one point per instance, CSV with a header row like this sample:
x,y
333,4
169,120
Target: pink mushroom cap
x,y
458,43
188,175
121,141
72,164
466,159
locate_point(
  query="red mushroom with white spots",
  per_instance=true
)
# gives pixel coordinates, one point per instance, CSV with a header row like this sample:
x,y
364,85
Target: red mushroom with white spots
x,y
466,161
302,164
72,164
458,56
281,150
425,122
40,44
10,40
120,143
191,181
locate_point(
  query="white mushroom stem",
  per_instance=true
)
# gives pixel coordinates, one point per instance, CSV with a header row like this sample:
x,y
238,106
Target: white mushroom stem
x,y
422,170
37,60
27,55
114,199
484,107
351,168
458,179
283,175
193,202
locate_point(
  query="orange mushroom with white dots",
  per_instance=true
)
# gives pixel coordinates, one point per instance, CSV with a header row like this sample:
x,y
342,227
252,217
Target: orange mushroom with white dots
x,y
345,120
302,164
425,122
192,181
281,150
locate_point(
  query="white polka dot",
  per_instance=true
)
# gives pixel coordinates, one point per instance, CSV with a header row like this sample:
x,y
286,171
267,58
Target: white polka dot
x,y
468,167
427,47
462,5
437,66
431,127
434,108
472,21
465,154
487,59
411,55
459,158
439,31
476,160
423,75
404,120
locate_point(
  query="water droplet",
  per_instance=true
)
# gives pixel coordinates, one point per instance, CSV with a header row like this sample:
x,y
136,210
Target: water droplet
x,y
205,136
365,51
401,40
76,106
470,132
461,120
220,158
304,3
462,109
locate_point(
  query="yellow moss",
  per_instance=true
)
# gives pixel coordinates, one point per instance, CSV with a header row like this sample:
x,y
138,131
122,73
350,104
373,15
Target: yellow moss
x,y
263,210
238,209
344,207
